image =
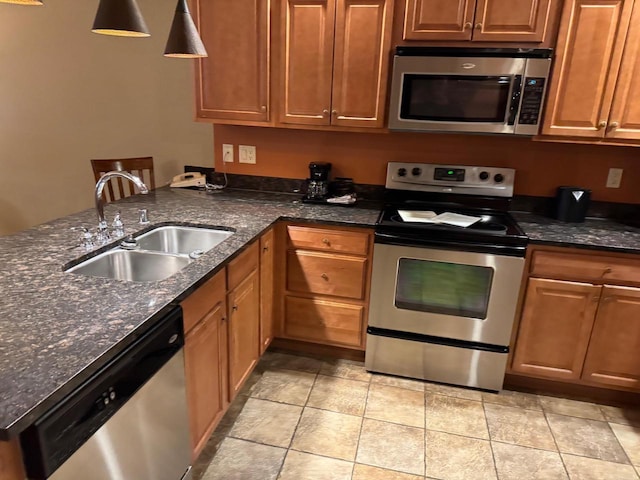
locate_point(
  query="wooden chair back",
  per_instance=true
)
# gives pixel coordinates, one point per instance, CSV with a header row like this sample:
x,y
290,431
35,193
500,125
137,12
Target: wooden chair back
x,y
116,188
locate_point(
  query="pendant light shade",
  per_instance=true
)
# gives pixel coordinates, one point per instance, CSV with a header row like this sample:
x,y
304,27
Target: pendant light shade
x,y
23,2
184,40
121,18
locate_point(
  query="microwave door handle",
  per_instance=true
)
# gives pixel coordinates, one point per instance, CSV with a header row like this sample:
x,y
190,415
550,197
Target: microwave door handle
x,y
515,99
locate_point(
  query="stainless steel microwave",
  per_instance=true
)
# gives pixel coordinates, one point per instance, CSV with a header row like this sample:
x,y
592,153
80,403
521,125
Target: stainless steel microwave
x,y
472,90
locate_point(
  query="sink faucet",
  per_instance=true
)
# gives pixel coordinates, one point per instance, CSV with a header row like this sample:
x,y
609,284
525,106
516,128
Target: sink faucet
x,y
102,223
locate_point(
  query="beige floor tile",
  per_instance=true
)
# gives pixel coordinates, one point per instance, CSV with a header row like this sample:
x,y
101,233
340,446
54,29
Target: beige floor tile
x,y
286,386
527,428
521,463
400,382
583,468
457,392
392,446
267,422
339,395
241,460
589,438
458,458
396,405
629,438
327,433
303,466
572,408
623,416
456,415
367,472
279,361
345,369
510,398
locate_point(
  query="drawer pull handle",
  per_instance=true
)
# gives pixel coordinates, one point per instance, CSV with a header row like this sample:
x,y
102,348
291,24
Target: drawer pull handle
x,y
325,276
326,241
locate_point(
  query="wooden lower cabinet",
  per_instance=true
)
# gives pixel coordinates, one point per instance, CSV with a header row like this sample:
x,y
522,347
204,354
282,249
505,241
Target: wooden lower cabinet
x,y
205,357
614,351
267,264
244,331
11,467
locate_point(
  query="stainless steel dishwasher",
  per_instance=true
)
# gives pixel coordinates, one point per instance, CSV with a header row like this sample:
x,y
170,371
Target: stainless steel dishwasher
x,y
128,421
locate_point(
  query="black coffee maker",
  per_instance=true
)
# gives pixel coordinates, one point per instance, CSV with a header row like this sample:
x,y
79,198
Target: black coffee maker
x,y
318,183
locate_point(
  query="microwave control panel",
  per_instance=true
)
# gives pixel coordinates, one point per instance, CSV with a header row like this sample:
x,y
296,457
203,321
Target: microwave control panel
x,y
532,94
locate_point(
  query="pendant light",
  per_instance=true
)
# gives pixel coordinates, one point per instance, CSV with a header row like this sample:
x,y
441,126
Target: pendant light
x,y
121,18
184,41
23,2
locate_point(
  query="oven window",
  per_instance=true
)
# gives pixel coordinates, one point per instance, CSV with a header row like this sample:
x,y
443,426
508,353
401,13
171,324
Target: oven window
x,y
441,287
455,98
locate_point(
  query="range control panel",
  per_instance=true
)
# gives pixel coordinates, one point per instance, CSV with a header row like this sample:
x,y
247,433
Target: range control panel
x,y
470,180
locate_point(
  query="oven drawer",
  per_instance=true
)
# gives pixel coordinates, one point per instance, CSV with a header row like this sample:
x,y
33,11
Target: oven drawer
x,y
321,273
595,269
323,321
328,240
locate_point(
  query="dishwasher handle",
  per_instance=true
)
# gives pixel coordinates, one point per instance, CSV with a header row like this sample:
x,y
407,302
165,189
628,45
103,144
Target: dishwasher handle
x,y
58,433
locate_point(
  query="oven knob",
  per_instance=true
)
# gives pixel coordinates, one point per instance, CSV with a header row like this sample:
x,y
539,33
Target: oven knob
x,y
402,172
499,178
484,175
416,172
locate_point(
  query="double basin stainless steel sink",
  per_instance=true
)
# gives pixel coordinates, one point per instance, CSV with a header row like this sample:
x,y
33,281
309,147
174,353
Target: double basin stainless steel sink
x,y
156,255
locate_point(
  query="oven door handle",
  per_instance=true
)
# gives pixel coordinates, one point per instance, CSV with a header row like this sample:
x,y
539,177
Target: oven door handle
x,y
414,241
515,99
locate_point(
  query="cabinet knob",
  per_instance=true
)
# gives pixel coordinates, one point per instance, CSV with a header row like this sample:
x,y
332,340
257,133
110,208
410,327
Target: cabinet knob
x,y
265,248
325,276
478,26
468,25
234,308
606,299
325,112
263,108
334,112
602,124
607,271
326,241
224,319
614,125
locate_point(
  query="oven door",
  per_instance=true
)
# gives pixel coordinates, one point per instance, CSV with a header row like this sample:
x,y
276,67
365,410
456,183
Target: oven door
x,y
444,293
456,94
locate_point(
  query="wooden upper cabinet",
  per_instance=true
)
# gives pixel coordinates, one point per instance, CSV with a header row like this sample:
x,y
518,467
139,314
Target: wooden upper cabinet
x,y
439,19
362,42
590,45
612,358
511,20
307,60
555,328
233,81
625,113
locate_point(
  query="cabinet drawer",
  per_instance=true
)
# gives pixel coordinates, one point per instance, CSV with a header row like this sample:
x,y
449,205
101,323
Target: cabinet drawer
x,y
323,321
240,267
337,275
328,240
596,269
203,300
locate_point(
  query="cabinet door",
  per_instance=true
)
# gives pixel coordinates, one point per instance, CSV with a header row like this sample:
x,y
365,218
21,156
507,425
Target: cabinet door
x,y
361,62
244,331
590,44
438,19
233,81
267,257
204,376
307,60
612,358
625,113
555,328
511,20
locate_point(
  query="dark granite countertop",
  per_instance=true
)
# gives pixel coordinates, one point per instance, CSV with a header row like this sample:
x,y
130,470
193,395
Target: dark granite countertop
x,y
58,328
594,233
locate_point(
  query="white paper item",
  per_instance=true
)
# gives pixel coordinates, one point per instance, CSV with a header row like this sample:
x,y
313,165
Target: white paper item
x,y
456,219
417,216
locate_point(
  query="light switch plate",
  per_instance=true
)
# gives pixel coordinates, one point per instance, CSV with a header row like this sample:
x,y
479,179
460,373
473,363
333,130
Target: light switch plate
x,y
227,153
614,179
247,153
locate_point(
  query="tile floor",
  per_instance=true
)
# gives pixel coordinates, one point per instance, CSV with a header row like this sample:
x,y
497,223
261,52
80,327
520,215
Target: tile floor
x,y
301,418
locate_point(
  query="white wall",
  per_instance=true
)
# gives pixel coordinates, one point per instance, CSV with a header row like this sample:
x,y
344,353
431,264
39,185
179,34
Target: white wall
x,y
68,95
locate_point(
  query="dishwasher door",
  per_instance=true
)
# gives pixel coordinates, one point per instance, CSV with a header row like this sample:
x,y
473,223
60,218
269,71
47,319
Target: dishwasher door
x,y
128,422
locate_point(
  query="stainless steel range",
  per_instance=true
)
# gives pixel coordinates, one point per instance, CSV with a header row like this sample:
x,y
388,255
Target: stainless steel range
x,y
447,265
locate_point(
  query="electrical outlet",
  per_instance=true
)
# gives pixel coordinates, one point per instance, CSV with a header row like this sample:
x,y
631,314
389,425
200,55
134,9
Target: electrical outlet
x,y
247,153
615,178
227,153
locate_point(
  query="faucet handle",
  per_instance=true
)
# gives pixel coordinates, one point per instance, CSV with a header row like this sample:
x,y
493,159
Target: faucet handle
x,y
86,240
118,226
144,216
